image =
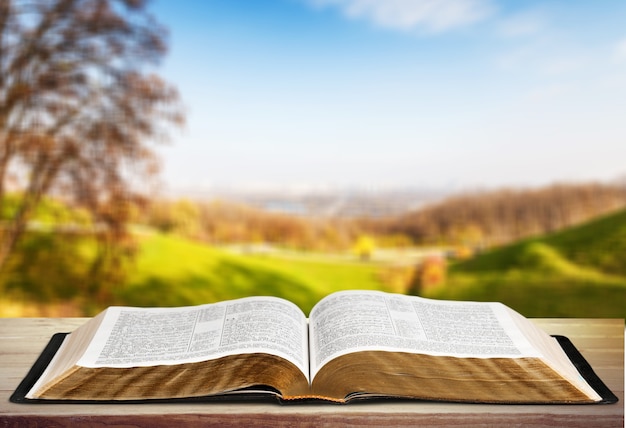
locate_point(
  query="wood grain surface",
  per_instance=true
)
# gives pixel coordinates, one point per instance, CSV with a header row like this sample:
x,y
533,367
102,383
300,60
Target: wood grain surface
x,y
601,341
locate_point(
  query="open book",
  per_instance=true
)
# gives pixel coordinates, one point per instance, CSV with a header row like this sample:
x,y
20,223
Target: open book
x,y
355,344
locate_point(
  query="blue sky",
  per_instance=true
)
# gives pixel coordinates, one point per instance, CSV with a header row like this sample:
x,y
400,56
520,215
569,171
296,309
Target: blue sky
x,y
448,94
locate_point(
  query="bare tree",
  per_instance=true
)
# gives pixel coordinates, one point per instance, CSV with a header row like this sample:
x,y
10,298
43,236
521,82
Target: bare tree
x,y
80,106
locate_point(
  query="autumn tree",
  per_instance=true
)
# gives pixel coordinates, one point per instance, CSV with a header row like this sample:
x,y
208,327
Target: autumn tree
x,y
364,247
505,215
80,108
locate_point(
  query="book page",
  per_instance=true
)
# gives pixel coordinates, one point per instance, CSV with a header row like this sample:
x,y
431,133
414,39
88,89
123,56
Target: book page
x,y
130,337
351,321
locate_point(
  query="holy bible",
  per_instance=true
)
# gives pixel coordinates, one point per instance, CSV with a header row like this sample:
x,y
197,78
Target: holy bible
x,y
354,345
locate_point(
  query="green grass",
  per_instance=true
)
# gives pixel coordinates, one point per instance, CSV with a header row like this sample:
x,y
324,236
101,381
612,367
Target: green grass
x,y
536,295
599,245
579,272
174,272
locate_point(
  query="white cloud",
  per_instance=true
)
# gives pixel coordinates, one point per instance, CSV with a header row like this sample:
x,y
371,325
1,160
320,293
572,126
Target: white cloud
x,y
619,54
432,16
549,92
516,58
544,60
562,65
523,24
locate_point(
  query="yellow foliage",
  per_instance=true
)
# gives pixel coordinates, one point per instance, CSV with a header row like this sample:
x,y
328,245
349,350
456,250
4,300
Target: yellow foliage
x,y
364,247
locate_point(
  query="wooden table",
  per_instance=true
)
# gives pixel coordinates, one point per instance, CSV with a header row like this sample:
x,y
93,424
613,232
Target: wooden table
x,y
601,341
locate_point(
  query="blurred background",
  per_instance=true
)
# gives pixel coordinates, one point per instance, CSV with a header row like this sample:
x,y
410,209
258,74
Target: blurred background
x,y
162,153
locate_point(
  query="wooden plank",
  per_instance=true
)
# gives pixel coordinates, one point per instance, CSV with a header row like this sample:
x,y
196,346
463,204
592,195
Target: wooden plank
x,y
601,341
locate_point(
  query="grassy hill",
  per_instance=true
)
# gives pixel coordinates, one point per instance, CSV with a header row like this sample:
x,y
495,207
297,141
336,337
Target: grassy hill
x,y
574,273
173,271
578,272
49,278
